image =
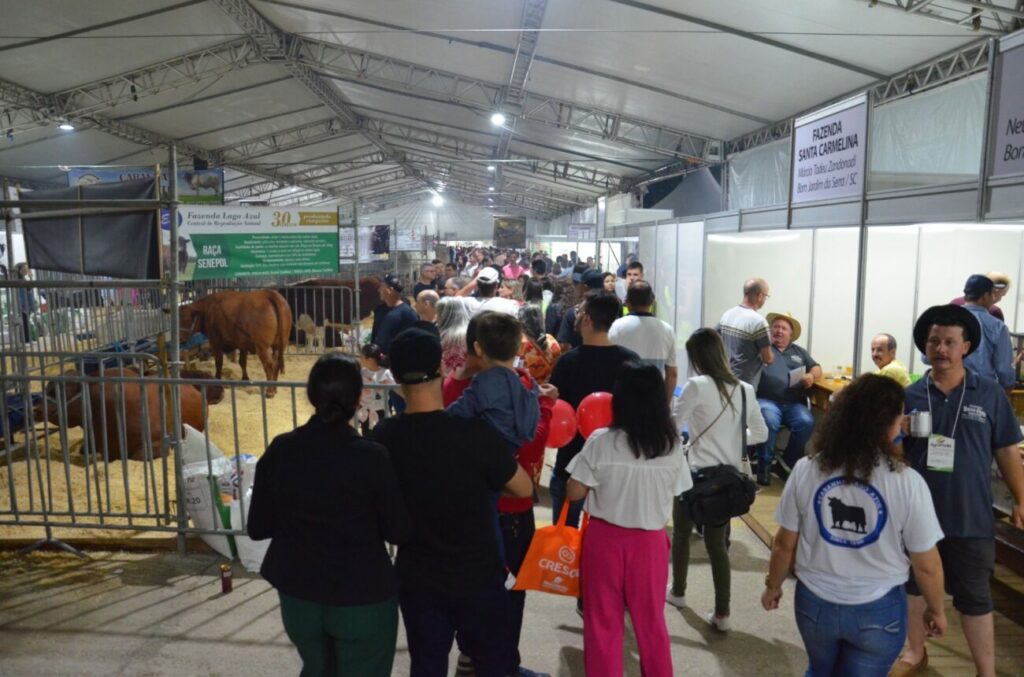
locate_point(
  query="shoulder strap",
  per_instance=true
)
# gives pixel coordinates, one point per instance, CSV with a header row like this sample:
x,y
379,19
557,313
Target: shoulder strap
x,y
710,425
743,420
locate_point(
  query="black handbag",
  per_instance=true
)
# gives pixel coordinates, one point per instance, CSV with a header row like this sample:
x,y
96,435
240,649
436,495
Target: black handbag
x,y
720,492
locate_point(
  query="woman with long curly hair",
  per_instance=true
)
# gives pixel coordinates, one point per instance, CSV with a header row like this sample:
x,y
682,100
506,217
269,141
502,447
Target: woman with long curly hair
x,y
853,519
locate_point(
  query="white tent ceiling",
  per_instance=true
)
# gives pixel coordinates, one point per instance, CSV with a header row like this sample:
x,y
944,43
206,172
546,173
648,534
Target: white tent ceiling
x,y
386,101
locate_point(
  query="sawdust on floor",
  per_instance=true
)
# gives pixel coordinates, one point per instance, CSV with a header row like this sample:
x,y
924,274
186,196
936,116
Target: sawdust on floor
x,y
243,422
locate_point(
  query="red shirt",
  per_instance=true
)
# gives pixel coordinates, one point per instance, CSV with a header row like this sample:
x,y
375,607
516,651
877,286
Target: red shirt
x,y
531,455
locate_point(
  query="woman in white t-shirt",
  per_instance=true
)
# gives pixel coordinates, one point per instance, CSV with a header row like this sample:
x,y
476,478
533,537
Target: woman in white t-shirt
x,y
630,474
853,519
712,407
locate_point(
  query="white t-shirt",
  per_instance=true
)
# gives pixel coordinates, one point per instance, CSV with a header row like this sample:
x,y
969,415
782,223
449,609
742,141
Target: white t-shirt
x,y
500,305
377,398
853,538
635,493
699,404
647,336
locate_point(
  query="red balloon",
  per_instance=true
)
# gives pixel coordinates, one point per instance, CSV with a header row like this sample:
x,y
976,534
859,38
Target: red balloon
x,y
595,411
563,425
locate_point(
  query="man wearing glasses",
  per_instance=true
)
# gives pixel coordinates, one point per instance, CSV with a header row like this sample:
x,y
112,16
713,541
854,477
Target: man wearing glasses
x,y
745,333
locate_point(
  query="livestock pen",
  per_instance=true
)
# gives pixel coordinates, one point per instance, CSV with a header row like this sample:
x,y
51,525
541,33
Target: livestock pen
x,y
108,435
89,435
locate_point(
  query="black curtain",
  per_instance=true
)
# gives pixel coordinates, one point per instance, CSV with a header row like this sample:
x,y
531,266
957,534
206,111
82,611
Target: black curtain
x,y
124,245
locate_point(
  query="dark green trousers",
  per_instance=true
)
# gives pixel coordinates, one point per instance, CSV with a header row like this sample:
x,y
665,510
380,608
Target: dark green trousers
x,y
714,540
342,640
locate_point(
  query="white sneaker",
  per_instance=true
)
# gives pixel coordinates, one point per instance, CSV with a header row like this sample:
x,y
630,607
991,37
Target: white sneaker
x,y
720,623
678,601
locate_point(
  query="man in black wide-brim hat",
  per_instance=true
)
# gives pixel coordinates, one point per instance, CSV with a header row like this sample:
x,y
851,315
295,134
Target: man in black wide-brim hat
x,y
972,422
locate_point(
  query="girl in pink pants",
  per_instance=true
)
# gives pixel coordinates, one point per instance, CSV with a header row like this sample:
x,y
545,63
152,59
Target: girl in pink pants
x,y
630,473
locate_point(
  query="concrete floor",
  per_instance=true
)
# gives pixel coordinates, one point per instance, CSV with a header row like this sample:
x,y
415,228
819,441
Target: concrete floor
x,y
162,614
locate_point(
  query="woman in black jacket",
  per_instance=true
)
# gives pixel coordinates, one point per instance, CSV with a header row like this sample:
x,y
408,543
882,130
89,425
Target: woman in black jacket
x,y
330,500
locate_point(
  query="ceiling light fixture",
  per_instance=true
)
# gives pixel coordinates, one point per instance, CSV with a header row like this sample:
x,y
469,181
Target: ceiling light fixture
x,y
498,119
491,168
437,200
490,188
66,126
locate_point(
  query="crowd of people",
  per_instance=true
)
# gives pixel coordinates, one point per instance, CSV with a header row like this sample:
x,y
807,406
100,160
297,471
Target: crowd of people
x,y
876,521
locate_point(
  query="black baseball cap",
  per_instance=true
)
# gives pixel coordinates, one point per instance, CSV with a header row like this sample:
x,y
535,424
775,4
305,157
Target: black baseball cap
x,y
393,281
978,285
592,278
415,356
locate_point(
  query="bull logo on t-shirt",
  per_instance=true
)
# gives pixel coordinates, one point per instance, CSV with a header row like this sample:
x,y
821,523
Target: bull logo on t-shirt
x,y
849,515
842,513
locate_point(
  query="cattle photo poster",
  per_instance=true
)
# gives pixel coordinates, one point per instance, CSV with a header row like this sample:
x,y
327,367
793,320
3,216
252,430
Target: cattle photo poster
x,y
195,186
374,243
216,243
509,232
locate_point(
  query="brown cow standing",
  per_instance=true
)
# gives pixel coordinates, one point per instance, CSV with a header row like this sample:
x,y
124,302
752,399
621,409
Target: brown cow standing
x,y
256,322
126,398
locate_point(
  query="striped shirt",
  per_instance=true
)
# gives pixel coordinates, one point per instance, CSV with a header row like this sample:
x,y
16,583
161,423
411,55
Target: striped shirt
x,y
744,333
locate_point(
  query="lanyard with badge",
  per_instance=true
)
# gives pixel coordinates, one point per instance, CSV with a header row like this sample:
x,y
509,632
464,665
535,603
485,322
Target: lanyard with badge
x,y
940,447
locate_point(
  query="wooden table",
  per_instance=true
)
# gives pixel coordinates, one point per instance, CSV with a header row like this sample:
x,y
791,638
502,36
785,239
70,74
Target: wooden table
x,y
822,391
1017,400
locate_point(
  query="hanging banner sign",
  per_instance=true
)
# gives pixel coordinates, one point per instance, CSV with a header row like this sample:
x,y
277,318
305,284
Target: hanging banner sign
x,y
233,242
1008,151
409,240
580,231
195,186
828,152
374,244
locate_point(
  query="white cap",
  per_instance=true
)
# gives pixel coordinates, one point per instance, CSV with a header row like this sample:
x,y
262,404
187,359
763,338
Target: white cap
x,y
487,275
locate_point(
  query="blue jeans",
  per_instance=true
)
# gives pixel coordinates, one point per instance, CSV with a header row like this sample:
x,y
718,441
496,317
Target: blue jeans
x,y
557,489
796,417
858,640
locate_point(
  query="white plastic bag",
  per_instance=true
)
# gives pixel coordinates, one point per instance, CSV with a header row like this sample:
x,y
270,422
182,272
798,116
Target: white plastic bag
x,y
193,447
204,509
250,552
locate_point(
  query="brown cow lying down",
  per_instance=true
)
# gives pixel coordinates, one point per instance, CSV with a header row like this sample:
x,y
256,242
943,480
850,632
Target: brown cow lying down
x,y
257,322
105,417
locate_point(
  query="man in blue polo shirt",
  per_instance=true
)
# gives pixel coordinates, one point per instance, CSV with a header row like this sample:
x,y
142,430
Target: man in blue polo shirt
x,y
972,423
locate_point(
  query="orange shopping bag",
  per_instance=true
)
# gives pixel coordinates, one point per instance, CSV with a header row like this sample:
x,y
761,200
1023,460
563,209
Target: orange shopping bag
x,y
552,564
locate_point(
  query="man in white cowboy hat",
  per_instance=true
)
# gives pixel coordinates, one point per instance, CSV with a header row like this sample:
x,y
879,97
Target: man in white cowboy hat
x,y
782,394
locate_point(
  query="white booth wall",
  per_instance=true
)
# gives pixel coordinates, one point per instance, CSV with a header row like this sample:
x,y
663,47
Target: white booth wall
x,y
673,258
812,273
910,268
